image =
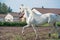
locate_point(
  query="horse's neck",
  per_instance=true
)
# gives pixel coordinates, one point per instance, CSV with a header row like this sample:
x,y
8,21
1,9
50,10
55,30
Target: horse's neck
x,y
26,14
29,13
32,14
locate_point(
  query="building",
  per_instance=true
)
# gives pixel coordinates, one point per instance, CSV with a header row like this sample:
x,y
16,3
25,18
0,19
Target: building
x,y
48,10
9,18
2,16
14,14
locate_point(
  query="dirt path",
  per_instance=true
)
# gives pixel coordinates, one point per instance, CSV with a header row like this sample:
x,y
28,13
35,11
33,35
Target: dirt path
x,y
14,33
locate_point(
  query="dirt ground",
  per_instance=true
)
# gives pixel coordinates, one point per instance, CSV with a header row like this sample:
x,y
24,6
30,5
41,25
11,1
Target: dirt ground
x,y
14,33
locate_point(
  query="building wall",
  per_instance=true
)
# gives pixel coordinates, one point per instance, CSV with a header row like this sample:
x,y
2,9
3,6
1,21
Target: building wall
x,y
16,19
1,19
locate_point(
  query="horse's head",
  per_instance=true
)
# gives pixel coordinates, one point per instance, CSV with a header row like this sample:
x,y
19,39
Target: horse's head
x,y
22,10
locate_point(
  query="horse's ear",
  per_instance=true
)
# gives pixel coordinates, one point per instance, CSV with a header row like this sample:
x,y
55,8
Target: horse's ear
x,y
22,4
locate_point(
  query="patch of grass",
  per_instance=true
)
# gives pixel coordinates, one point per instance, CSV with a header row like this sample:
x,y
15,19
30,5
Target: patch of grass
x,y
58,23
18,37
55,35
29,36
53,39
46,24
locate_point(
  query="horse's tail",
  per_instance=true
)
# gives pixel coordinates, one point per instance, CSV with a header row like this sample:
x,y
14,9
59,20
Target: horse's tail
x,y
58,18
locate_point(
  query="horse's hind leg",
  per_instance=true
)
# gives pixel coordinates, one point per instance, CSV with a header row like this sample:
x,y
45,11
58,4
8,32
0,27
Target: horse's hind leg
x,y
52,29
51,24
57,30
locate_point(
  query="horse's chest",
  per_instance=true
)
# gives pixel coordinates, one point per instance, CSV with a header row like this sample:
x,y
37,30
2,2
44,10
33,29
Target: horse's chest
x,y
30,20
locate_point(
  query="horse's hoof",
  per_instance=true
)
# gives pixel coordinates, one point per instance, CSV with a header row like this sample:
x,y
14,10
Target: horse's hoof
x,y
23,34
37,38
49,35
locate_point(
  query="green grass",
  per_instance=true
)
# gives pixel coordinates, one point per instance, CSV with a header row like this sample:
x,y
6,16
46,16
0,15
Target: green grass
x,y
18,37
46,24
58,23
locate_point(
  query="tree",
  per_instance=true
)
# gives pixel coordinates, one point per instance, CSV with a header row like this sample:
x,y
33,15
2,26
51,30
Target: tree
x,y
0,6
4,8
9,9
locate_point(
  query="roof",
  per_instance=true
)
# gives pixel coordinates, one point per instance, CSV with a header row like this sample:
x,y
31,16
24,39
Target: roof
x,y
2,15
8,15
49,10
13,14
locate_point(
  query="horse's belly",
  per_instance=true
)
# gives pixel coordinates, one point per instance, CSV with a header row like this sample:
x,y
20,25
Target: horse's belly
x,y
41,21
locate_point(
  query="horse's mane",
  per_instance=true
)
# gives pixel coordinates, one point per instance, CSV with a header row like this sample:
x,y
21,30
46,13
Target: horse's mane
x,y
33,12
36,11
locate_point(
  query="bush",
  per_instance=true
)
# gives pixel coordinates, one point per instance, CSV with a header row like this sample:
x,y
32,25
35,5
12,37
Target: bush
x,y
58,23
18,24
1,23
13,23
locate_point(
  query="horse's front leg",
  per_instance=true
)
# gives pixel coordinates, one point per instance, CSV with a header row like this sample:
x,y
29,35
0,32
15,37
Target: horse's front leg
x,y
24,28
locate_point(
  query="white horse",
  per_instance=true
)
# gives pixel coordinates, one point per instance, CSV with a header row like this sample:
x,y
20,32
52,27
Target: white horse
x,y
34,19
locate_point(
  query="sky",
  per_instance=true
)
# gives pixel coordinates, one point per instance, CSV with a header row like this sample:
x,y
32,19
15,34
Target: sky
x,y
15,4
